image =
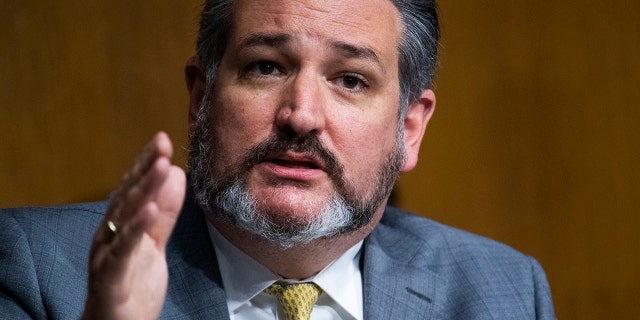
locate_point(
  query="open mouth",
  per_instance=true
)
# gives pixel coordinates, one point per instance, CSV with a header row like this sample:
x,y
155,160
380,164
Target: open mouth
x,y
295,164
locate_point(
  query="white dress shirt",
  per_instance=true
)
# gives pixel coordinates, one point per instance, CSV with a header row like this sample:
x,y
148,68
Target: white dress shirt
x,y
245,279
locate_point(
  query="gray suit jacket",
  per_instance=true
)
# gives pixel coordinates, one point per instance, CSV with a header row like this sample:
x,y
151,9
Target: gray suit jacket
x,y
413,268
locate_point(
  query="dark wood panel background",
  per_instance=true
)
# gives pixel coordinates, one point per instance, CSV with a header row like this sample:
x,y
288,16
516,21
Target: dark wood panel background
x,y
534,141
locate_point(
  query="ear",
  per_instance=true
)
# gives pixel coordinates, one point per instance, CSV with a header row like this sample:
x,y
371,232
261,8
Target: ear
x,y
415,124
196,85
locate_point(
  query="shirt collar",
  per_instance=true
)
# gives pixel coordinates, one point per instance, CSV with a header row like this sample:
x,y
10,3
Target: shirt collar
x,y
244,278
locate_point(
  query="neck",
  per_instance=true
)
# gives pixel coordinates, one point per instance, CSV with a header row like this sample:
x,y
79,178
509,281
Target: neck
x,y
300,261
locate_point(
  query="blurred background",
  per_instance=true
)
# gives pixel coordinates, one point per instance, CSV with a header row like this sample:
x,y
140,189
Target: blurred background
x,y
534,143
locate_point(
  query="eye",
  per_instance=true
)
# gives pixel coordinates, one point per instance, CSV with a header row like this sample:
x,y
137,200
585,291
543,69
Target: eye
x,y
263,68
352,82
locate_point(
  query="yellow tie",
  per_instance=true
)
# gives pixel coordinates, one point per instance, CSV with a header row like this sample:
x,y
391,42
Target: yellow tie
x,y
296,299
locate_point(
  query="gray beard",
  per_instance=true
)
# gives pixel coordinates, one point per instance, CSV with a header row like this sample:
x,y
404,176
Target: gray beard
x,y
227,196
236,205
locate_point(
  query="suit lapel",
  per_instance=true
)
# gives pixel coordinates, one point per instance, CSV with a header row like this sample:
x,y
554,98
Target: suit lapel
x,y
195,285
397,284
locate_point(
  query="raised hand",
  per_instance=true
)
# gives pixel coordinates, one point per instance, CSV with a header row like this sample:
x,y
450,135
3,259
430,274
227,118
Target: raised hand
x,y
127,269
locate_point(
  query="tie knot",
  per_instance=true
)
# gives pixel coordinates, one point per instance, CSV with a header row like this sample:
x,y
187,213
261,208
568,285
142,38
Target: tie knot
x,y
296,299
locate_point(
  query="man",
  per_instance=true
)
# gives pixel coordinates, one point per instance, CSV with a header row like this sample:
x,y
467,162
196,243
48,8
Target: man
x,y
302,113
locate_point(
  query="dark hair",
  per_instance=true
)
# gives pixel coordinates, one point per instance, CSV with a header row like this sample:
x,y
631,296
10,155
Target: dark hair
x,y
418,49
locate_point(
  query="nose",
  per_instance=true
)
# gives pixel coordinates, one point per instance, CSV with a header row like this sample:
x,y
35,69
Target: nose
x,y
303,103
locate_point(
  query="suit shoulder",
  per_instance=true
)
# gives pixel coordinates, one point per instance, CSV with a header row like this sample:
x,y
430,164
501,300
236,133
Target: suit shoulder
x,y
436,235
87,210
450,252
98,207
482,275
41,224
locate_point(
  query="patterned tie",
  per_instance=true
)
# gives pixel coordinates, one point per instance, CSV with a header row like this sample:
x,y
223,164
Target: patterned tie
x,y
296,299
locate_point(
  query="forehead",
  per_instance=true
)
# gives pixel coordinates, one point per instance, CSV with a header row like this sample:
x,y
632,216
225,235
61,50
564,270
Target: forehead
x,y
374,24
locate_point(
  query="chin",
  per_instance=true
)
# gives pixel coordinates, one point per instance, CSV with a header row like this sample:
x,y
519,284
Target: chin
x,y
292,200
295,212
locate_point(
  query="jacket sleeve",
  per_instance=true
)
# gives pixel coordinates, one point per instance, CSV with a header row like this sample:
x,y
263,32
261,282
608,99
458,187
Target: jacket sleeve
x,y
20,296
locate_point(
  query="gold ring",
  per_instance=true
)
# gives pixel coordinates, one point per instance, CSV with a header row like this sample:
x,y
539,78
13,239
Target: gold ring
x,y
111,230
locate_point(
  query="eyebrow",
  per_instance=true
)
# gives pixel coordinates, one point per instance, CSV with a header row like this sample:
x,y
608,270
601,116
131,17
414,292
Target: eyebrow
x,y
279,39
265,39
351,51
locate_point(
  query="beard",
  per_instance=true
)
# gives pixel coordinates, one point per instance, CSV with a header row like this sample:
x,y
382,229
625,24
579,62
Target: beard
x,y
225,193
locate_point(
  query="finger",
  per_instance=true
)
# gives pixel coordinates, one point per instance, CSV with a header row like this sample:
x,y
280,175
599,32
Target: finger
x,y
145,190
133,216
130,235
170,198
148,171
139,177
158,146
140,206
112,253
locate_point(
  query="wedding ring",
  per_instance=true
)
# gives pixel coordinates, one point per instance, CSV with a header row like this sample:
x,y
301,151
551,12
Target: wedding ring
x,y
111,230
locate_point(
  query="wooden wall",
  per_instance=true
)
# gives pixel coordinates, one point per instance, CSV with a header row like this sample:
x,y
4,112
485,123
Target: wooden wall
x,y
534,141
83,84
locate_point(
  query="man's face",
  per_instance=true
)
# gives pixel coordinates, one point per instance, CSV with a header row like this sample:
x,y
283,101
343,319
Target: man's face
x,y
305,105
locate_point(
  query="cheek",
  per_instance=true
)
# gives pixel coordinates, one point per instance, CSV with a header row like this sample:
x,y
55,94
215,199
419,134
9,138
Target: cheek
x,y
240,123
366,147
